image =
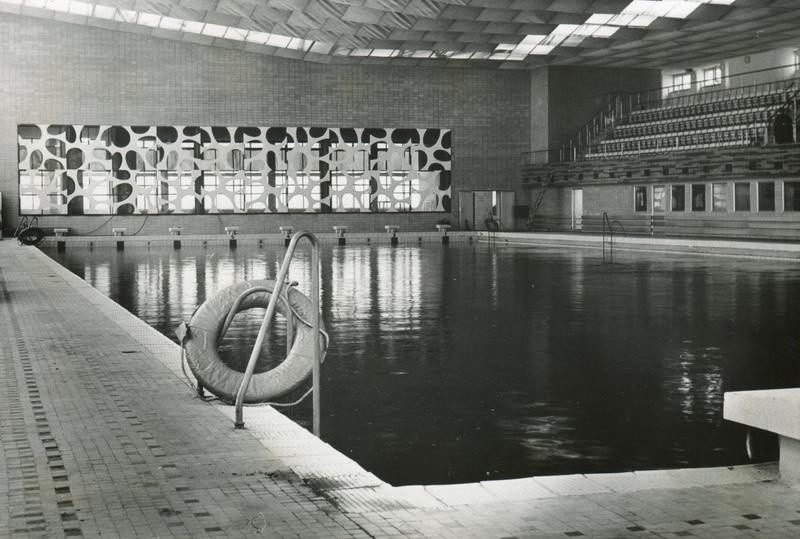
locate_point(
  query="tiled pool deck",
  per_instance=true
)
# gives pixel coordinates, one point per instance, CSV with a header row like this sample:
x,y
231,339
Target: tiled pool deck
x,y
100,435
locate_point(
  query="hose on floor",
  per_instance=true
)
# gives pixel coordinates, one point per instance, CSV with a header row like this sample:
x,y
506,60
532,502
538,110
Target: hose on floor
x,y
31,236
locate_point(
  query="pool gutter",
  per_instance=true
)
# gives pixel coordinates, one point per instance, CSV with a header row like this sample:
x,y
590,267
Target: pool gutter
x,y
732,248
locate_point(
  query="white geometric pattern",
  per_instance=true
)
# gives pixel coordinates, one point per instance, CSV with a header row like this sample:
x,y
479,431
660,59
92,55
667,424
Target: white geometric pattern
x,y
83,169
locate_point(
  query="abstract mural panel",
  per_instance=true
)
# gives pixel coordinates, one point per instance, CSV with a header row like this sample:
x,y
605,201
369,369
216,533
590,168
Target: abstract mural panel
x,y
116,169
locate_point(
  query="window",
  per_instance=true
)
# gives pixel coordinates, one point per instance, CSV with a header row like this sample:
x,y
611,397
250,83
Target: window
x,y
681,81
98,191
254,200
316,191
797,60
766,196
363,188
41,192
350,156
168,180
156,170
349,193
295,192
678,198
147,192
276,201
146,159
404,191
210,186
699,197
230,193
712,76
33,190
640,198
659,198
382,202
186,197
719,196
741,197
791,196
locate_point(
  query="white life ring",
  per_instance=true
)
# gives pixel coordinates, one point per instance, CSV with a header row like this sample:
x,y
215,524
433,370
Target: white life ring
x,y
220,379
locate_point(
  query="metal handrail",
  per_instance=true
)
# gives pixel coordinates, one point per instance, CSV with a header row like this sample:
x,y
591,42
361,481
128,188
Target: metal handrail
x,y
622,106
607,221
280,281
24,224
260,289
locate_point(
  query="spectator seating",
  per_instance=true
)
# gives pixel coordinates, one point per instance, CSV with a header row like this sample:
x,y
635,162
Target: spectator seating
x,y
735,117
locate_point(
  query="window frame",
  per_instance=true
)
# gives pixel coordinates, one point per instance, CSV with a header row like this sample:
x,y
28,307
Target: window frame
x,y
736,207
716,76
705,198
795,199
640,205
672,198
679,84
758,196
662,206
719,199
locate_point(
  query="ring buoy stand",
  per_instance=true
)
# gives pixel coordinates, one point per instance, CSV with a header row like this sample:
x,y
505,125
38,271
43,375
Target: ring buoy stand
x,y
206,364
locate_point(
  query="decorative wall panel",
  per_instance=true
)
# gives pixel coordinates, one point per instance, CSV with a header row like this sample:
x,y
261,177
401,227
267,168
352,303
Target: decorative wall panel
x,y
112,169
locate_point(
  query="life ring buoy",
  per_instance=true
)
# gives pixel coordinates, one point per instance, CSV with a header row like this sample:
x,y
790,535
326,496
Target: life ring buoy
x,y
221,380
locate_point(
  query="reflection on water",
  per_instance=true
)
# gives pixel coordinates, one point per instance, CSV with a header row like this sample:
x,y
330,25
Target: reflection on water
x,y
466,363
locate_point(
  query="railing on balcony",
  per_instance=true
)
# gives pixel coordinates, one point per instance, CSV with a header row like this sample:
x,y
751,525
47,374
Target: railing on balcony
x,y
740,111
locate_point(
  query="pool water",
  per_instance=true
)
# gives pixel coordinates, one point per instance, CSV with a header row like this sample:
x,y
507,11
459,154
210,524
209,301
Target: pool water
x,y
470,362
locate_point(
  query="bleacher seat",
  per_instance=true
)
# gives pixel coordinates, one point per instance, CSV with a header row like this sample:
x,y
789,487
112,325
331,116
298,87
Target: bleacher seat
x,y
733,117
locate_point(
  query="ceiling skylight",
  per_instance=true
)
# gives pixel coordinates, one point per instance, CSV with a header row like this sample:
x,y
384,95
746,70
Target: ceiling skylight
x,y
104,12
214,30
385,53
148,19
641,13
637,13
192,27
170,23
155,20
236,34
80,8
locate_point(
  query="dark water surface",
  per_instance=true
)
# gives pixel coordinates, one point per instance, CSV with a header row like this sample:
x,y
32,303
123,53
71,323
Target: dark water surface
x,y
468,362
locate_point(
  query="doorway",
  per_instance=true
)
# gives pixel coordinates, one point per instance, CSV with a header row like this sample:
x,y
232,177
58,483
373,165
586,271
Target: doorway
x,y
476,207
577,210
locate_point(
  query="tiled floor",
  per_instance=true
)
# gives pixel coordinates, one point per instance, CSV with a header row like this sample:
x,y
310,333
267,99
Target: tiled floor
x,y
101,435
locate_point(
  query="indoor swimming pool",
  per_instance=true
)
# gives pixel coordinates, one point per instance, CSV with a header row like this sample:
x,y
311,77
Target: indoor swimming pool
x,y
473,362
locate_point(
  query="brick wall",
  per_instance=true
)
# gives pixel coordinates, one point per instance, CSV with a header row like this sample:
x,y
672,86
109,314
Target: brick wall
x,y
62,73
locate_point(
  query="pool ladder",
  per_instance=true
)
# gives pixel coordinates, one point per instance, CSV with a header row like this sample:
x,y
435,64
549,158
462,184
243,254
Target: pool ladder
x,y
280,282
25,224
608,232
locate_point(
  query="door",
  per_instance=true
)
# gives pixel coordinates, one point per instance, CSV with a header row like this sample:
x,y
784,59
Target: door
x,y
466,210
483,208
577,209
506,210
475,208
